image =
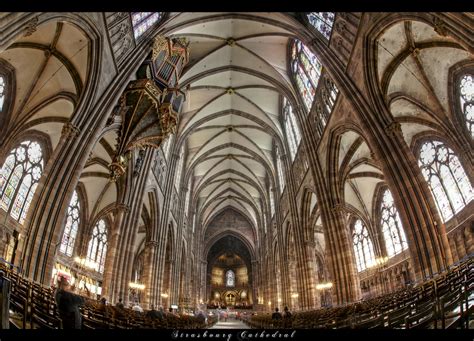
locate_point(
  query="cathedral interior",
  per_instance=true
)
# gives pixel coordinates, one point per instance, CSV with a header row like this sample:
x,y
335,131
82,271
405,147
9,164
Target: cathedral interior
x,y
238,162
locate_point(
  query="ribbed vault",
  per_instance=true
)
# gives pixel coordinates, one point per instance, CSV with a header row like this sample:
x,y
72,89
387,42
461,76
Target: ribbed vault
x,y
235,80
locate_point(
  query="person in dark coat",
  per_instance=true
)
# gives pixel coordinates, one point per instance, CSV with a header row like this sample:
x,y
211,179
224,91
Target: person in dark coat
x,y
68,306
153,314
276,315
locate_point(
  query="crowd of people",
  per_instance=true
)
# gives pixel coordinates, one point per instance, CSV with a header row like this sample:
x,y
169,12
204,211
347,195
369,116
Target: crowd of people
x,y
69,308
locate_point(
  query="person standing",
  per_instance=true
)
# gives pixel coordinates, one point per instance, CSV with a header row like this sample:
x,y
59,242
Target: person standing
x,y
287,320
276,315
68,306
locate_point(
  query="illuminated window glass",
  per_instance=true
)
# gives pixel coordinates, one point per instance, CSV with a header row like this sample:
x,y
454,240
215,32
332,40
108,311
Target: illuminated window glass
x,y
306,69
2,91
392,229
188,197
97,247
142,21
466,98
363,247
446,178
230,278
281,177
322,21
72,225
272,203
179,169
293,134
19,177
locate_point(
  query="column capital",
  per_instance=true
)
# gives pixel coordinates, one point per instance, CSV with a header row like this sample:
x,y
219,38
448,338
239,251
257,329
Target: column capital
x,y
393,129
70,130
338,208
439,26
122,208
152,243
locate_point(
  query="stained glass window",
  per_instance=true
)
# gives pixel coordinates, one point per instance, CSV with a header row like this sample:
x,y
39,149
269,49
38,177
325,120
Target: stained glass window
x,y
392,229
446,177
293,134
363,247
281,177
97,248
19,177
2,91
72,225
188,196
264,223
272,203
230,278
322,21
142,21
306,69
330,94
179,169
466,98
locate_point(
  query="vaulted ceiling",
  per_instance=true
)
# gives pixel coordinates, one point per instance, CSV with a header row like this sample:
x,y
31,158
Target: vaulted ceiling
x,y
234,80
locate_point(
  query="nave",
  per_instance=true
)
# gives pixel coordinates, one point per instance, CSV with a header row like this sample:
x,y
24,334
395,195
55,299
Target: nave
x,y
157,167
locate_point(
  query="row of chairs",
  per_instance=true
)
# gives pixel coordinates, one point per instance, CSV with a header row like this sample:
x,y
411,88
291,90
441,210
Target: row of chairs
x,y
34,307
441,302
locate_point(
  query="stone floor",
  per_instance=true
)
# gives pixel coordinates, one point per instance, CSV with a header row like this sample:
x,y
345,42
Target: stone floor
x,y
230,324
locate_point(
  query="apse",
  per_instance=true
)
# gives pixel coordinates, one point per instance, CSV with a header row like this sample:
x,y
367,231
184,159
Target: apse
x,y
229,274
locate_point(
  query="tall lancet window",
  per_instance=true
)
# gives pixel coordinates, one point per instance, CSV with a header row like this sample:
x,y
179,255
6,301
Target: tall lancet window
x,y
179,169
188,197
392,229
281,177
363,247
97,248
306,69
446,177
142,21
19,177
72,225
230,278
322,21
2,92
292,130
272,203
466,98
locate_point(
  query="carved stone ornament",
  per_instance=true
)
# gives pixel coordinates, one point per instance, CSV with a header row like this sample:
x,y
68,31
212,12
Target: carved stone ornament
x,y
393,129
338,42
338,208
341,26
31,27
70,130
440,27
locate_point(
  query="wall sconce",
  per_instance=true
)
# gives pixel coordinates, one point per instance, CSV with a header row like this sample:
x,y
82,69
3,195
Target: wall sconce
x,y
279,300
323,286
136,286
295,295
165,295
86,263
